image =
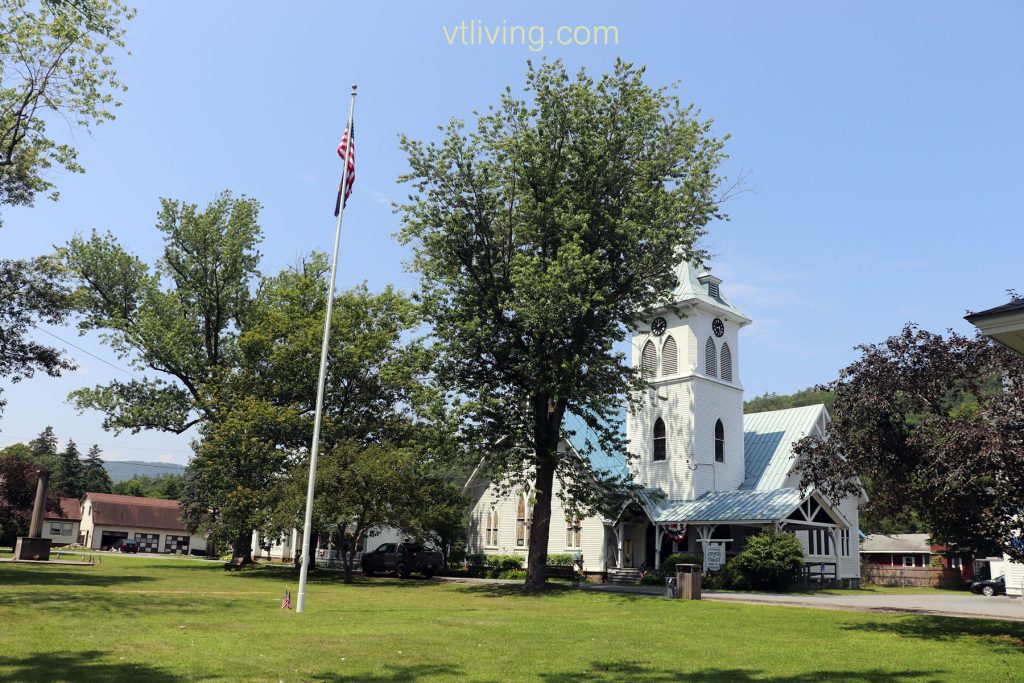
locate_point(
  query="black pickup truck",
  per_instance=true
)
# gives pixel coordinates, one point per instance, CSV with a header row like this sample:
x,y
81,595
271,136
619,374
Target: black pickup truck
x,y
402,558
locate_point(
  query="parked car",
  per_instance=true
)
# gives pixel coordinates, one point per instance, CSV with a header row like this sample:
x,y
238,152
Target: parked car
x,y
127,546
402,558
990,587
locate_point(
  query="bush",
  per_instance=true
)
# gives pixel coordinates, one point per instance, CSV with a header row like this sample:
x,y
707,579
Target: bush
x,y
476,559
668,567
517,574
504,563
654,579
561,560
769,561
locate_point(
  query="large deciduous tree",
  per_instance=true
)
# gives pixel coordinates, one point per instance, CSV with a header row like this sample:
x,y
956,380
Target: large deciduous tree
x,y
934,427
30,294
541,234
57,71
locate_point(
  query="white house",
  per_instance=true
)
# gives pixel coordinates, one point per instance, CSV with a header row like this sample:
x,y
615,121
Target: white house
x,y
1005,324
712,475
286,548
155,524
62,526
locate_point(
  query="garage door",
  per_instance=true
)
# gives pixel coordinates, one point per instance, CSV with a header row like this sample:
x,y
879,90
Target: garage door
x,y
111,539
148,543
176,544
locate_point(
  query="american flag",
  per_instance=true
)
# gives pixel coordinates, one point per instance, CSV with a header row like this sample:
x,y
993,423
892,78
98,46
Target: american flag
x,y
347,150
286,601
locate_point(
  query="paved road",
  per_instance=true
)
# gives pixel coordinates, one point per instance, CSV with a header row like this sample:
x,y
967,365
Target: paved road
x,y
955,604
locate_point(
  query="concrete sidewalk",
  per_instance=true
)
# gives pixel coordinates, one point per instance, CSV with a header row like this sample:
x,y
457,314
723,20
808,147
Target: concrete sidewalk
x,y
952,605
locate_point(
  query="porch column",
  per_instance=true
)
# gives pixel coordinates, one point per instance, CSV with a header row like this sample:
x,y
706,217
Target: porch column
x,y
657,546
619,549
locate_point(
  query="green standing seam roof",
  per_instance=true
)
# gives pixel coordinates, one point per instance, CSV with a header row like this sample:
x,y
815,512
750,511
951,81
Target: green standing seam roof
x,y
768,440
731,506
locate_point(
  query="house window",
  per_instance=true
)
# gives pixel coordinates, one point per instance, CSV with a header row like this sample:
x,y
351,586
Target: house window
x,y
726,364
819,542
719,441
710,358
572,532
491,532
669,357
908,560
660,442
55,529
649,360
522,522
844,542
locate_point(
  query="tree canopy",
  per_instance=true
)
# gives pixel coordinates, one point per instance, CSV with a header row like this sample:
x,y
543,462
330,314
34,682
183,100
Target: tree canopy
x,y
57,71
934,426
541,234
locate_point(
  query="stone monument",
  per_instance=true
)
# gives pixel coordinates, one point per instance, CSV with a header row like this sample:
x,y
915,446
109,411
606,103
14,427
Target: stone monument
x,y
33,546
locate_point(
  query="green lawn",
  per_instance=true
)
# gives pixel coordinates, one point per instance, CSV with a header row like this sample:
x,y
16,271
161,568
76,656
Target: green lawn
x,y
153,621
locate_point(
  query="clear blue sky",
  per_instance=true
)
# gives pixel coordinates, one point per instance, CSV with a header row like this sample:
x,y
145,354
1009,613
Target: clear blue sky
x,y
884,142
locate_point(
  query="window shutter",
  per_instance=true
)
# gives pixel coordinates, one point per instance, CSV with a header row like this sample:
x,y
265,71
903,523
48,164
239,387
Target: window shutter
x,y
726,363
649,360
669,357
710,358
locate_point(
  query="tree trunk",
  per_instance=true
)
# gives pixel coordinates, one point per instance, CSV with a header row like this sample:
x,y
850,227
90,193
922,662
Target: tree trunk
x,y
241,549
540,527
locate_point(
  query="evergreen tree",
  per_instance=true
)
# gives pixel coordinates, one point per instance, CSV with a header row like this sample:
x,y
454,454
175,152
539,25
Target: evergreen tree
x,y
94,475
67,475
44,448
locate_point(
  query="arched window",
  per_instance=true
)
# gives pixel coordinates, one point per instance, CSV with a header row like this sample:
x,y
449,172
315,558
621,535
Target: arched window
x,y
726,364
660,442
719,441
572,532
491,533
669,357
649,360
710,358
522,522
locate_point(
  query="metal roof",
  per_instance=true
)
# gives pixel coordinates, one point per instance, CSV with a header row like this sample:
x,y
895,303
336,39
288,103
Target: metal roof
x,y
691,290
110,509
895,543
768,444
730,506
70,510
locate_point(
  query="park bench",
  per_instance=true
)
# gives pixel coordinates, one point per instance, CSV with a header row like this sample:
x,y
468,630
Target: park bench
x,y
552,571
234,565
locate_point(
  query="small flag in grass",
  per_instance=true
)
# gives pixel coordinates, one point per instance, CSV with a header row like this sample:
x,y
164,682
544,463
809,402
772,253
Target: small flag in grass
x,y
286,601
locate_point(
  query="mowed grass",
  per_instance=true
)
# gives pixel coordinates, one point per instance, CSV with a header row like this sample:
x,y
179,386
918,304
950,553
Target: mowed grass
x,y
153,621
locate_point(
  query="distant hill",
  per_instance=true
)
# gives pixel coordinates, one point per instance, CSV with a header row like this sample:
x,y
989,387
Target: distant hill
x,y
805,397
122,470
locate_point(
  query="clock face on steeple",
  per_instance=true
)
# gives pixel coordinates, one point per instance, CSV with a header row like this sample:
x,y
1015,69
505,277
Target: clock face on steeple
x,y
718,327
658,326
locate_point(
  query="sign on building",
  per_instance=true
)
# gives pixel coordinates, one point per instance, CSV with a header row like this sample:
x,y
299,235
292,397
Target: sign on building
x,y
714,556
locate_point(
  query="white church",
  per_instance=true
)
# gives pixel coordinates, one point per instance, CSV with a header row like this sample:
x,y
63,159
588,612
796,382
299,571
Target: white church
x,y
712,476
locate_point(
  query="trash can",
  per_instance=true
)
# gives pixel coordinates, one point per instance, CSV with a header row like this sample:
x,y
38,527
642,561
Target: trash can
x,y
688,581
670,587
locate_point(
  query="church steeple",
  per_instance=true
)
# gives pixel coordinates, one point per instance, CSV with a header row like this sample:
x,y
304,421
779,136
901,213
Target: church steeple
x,y
689,351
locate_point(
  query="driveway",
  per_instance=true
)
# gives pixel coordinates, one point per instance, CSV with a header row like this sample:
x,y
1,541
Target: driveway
x,y
953,605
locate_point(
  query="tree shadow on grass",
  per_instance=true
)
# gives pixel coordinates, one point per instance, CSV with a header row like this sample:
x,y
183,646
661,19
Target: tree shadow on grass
x,y
397,672
551,591
80,667
64,576
641,672
1007,636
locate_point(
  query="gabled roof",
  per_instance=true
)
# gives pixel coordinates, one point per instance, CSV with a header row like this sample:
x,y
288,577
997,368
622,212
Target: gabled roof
x,y
70,511
768,440
690,290
1005,324
731,506
109,509
895,543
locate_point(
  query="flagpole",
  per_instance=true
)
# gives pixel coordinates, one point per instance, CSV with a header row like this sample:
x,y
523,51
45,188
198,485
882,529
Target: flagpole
x,y
300,603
